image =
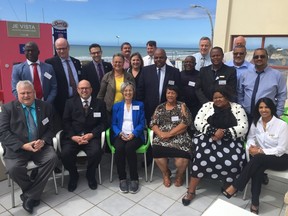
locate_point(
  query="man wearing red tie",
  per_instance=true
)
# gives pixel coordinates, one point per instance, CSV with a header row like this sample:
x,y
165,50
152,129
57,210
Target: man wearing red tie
x,y
39,73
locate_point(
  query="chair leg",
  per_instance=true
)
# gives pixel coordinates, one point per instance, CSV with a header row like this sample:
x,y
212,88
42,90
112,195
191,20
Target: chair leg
x,y
62,176
55,183
111,167
99,174
245,192
145,165
9,180
152,170
12,193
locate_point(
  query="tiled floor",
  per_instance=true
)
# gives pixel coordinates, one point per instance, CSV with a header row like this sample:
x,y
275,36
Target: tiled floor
x,y
153,198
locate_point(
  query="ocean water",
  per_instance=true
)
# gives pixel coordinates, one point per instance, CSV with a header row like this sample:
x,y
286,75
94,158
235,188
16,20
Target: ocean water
x,y
82,52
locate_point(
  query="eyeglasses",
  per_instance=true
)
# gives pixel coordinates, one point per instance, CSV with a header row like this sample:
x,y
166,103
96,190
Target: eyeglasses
x,y
96,53
238,53
259,56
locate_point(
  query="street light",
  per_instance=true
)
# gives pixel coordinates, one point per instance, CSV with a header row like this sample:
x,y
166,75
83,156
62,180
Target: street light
x,y
118,39
210,18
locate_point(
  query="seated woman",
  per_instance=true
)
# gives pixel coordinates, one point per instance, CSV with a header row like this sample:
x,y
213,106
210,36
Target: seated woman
x,y
169,123
128,122
267,142
219,153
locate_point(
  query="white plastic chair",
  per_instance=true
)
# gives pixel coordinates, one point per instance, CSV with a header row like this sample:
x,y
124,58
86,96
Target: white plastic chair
x,y
80,154
151,134
29,167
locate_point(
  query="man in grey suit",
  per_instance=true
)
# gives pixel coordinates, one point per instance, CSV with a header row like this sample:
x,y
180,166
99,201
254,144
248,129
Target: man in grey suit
x,y
34,70
26,132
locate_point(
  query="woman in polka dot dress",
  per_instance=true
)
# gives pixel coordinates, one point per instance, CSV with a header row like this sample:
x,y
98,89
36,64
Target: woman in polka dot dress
x,y
219,153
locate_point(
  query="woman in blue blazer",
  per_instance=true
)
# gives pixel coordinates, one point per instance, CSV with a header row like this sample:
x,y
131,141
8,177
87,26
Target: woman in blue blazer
x,y
128,122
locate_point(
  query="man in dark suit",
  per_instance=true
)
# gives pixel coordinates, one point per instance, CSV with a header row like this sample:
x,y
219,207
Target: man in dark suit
x,y
152,90
26,132
94,70
217,74
39,73
68,73
84,119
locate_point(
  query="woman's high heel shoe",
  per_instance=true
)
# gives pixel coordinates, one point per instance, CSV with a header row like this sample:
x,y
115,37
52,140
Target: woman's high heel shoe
x,y
254,209
186,200
226,194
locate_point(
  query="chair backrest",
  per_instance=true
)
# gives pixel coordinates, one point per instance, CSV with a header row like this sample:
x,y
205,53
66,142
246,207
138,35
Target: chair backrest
x,y
1,154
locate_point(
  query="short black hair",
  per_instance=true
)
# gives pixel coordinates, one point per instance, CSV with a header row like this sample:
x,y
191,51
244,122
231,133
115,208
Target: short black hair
x,y
94,45
125,43
151,43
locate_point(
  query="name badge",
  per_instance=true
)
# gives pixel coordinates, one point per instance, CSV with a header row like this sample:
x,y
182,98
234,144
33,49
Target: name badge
x,y
47,75
135,107
190,83
222,82
97,114
174,118
45,121
171,82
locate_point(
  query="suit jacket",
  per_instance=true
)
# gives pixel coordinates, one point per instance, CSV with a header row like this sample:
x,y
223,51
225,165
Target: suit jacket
x,y
14,129
62,83
138,118
108,88
207,82
89,73
48,79
76,122
148,87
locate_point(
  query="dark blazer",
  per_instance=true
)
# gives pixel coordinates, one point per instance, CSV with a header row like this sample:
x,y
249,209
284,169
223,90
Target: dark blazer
x,y
62,83
138,118
14,129
75,122
48,79
207,81
89,73
148,87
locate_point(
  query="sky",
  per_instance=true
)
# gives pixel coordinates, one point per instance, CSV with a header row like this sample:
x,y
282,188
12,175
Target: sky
x,y
172,23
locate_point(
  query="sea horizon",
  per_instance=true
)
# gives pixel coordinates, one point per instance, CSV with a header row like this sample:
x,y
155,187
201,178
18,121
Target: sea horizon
x,y
173,53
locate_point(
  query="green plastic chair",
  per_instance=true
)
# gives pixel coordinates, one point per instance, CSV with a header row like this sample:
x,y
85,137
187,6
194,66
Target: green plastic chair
x,y
141,150
284,117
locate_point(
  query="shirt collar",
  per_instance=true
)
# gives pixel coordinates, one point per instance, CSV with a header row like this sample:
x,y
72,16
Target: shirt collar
x,y
30,63
32,106
89,100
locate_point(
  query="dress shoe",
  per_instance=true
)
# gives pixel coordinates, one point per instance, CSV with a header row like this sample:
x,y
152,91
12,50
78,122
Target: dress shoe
x,y
28,205
92,183
72,185
36,202
186,200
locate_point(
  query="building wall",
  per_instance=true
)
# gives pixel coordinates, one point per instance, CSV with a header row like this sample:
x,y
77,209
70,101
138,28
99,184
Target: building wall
x,y
249,17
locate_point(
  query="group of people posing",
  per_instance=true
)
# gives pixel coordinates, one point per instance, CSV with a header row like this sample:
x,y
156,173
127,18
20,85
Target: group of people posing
x,y
200,116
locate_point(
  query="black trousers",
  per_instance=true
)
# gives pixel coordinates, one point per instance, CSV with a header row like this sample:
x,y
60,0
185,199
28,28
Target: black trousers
x,y
69,153
123,150
255,169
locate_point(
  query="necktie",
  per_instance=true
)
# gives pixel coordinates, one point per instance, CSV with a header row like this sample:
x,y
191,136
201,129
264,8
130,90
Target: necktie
x,y
86,107
159,81
202,62
32,129
37,83
72,82
255,89
100,71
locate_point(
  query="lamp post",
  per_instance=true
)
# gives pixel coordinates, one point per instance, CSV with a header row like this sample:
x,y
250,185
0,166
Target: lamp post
x,y
118,39
210,18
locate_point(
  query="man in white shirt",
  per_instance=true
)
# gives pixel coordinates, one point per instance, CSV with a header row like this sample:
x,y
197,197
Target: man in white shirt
x,y
151,46
203,56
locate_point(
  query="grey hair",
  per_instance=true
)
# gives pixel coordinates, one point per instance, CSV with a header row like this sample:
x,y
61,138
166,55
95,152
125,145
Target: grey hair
x,y
125,84
24,83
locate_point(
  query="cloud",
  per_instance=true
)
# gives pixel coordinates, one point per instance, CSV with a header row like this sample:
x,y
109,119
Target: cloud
x,y
171,14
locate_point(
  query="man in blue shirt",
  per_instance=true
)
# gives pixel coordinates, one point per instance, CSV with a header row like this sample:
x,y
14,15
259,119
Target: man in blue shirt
x,y
272,84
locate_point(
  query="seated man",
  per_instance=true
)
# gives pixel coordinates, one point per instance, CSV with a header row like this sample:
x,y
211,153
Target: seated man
x,y
26,132
84,119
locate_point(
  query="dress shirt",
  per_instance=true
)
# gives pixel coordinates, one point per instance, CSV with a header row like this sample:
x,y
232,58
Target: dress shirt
x,y
38,69
198,57
126,63
70,90
272,85
149,60
162,78
88,101
273,140
240,69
